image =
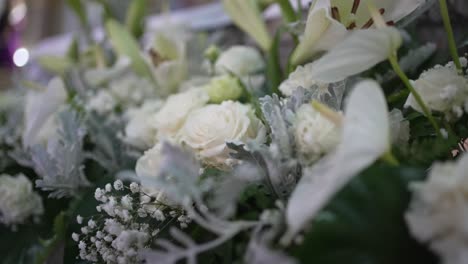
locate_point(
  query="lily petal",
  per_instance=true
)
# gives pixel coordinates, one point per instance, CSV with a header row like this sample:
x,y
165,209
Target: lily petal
x,y
321,32
360,51
365,138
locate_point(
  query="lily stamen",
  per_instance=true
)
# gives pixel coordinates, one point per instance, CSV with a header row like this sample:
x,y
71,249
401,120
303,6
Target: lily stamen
x,y
336,14
355,6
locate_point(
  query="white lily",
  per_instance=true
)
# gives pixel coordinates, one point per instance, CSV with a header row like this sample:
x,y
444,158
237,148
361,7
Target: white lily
x,y
329,21
247,16
365,138
40,107
360,51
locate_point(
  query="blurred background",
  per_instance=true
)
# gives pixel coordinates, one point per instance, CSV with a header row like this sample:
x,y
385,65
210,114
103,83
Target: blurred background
x,y
25,24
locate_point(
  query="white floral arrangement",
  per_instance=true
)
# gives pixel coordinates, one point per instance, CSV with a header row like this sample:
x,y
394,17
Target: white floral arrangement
x,y
170,147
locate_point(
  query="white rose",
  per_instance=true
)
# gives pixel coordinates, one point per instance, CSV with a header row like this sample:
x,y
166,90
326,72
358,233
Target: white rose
x,y
139,132
170,119
441,88
438,213
240,60
40,110
315,135
207,130
18,201
148,167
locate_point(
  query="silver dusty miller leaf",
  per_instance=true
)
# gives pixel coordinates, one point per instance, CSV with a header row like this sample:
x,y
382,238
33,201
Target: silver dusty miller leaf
x,y
109,149
60,165
178,175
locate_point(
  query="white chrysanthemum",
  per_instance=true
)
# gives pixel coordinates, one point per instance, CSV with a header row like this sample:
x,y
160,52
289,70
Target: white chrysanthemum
x,y
240,60
131,89
18,201
170,119
438,214
139,132
301,78
207,130
102,102
441,88
315,135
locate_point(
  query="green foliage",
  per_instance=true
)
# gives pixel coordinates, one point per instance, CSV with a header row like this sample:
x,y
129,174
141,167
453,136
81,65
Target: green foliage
x,y
136,17
364,223
126,45
274,72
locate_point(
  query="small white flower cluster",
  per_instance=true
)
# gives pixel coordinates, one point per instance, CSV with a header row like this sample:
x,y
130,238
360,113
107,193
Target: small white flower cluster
x,y
128,221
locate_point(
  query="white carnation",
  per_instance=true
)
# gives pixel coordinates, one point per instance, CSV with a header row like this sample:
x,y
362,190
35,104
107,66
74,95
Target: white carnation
x,y
441,88
240,60
207,130
170,119
438,214
18,201
102,102
139,132
301,78
315,135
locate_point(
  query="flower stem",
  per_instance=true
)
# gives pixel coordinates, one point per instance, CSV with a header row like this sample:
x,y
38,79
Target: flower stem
x,y
390,159
287,10
396,67
451,39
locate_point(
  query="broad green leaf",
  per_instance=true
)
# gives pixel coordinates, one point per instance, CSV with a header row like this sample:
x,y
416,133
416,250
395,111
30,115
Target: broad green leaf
x,y
364,223
136,17
126,45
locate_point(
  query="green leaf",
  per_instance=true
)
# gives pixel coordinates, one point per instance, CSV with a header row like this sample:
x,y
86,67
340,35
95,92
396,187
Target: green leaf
x,y
136,17
365,222
55,64
80,11
126,45
274,71
73,52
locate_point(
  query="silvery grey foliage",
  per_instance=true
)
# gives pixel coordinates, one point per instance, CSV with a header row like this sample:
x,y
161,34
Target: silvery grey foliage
x,y
109,149
276,163
178,175
228,190
60,165
258,249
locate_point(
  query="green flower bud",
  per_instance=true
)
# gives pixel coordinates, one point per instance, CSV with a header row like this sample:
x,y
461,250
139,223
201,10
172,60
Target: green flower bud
x,y
212,53
223,88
